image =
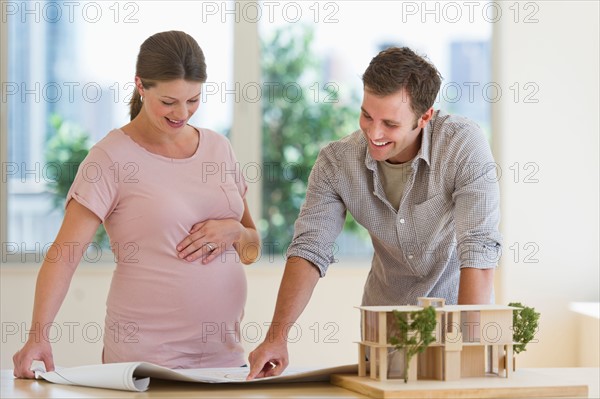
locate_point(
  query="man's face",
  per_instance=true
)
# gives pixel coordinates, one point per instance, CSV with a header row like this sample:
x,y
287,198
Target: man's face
x,y
390,126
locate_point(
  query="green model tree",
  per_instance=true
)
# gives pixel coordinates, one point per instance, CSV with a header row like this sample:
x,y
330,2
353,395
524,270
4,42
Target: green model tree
x,y
525,325
415,333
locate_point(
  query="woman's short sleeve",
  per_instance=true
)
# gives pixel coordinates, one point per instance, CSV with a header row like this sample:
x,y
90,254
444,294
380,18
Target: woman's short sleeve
x,y
240,180
95,186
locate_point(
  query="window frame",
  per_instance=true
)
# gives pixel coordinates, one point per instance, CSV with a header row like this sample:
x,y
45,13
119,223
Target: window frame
x,y
3,132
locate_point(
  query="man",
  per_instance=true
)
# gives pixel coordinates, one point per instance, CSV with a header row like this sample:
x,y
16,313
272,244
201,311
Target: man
x,y
423,184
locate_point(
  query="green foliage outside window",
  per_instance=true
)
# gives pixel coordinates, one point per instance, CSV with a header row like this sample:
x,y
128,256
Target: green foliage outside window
x,y
301,113
66,148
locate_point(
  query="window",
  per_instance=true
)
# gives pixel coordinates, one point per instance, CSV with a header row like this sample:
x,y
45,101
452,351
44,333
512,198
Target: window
x,y
77,60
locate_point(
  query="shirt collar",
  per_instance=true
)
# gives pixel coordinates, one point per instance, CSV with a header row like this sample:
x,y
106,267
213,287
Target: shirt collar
x,y
370,163
425,150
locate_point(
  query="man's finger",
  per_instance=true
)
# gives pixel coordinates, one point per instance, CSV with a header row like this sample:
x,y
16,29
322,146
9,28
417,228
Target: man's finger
x,y
22,366
257,370
271,369
48,360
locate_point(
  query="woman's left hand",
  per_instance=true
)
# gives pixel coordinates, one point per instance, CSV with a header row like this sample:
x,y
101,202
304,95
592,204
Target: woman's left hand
x,y
209,239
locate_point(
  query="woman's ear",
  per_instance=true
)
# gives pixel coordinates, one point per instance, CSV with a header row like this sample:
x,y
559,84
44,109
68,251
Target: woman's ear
x,y
139,86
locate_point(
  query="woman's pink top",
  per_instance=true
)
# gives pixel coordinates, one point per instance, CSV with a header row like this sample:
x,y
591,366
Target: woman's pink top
x,y
162,309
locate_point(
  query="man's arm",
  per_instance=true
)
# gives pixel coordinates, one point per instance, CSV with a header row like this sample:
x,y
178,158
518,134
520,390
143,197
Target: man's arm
x,y
299,280
476,218
475,286
320,221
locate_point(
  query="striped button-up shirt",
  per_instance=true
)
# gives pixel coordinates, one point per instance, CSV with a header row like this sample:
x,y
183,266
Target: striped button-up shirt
x,y
447,219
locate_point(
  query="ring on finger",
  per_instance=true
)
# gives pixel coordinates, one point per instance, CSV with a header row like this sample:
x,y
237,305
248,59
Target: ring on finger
x,y
210,246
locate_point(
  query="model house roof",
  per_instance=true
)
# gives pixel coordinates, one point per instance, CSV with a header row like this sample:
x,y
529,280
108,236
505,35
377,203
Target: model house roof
x,y
446,308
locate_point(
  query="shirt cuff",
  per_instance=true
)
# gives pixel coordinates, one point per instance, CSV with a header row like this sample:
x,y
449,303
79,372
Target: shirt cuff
x,y
480,255
320,262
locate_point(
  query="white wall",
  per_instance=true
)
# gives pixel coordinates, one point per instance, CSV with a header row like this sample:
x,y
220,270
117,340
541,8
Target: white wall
x,y
559,136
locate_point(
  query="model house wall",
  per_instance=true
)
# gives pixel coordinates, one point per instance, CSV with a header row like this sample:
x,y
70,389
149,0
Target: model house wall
x,y
470,341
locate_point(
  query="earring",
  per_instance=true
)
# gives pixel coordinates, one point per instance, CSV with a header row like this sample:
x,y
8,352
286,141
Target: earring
x,y
141,99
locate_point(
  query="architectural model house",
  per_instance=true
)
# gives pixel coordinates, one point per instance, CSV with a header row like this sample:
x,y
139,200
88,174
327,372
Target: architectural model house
x,y
470,341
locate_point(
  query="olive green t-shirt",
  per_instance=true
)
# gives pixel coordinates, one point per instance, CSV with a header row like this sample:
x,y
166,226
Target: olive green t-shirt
x,y
393,179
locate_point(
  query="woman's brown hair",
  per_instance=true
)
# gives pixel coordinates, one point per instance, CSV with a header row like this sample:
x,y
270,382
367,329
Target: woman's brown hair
x,y
167,56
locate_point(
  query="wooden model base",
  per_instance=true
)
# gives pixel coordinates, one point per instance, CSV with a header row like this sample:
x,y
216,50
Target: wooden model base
x,y
522,384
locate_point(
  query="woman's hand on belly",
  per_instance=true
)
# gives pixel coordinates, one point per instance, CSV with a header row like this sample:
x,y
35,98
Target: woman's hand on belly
x,y
209,239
